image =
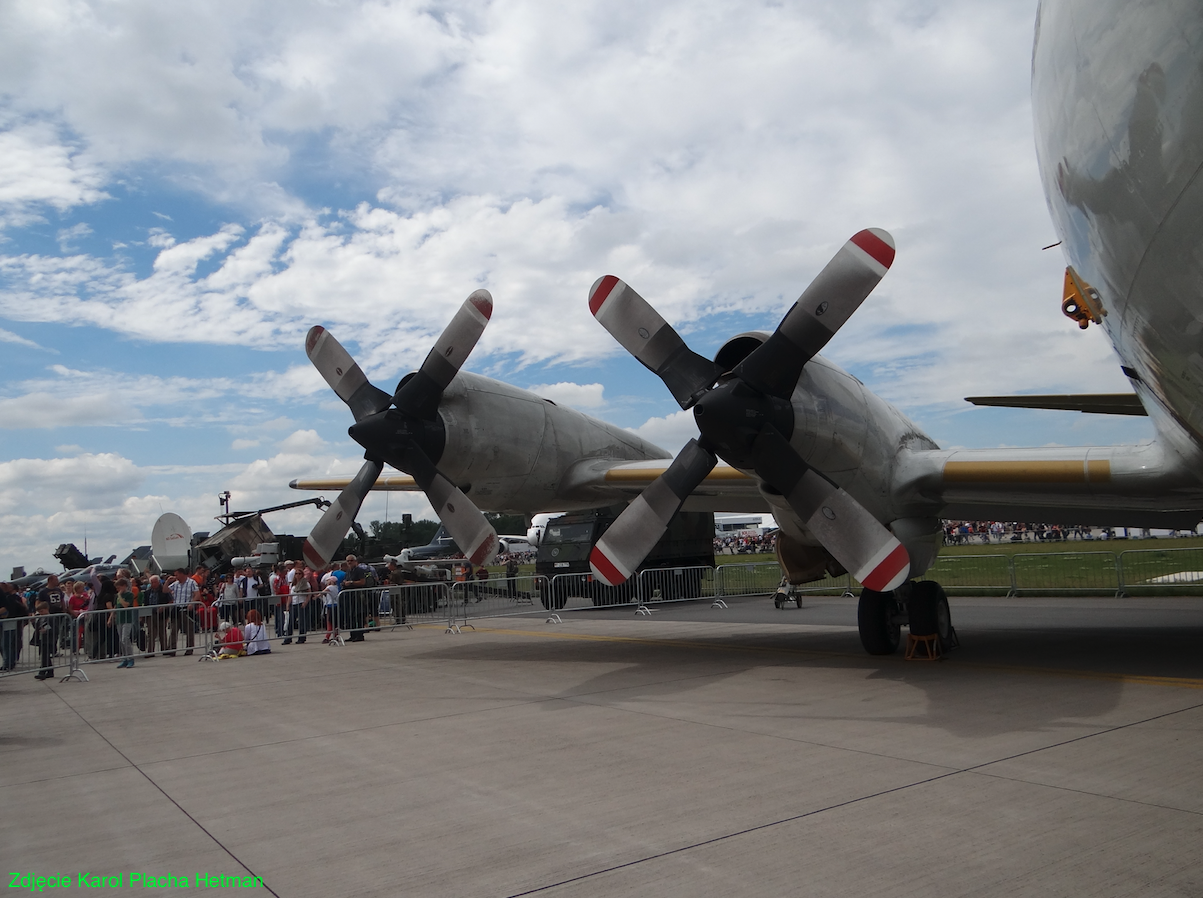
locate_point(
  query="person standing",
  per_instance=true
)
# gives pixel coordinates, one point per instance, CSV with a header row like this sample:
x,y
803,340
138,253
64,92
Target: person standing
x,y
511,576
55,598
43,637
278,603
330,606
13,610
299,596
183,593
103,637
357,612
156,596
124,617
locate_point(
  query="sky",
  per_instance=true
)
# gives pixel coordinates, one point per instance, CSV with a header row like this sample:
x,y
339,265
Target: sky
x,y
185,189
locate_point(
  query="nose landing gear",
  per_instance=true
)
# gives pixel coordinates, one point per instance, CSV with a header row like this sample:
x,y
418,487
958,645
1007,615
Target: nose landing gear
x,y
787,594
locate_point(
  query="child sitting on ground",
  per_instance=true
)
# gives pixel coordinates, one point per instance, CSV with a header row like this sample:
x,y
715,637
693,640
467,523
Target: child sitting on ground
x,y
229,641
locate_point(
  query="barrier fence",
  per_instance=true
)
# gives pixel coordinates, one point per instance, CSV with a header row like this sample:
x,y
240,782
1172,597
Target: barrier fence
x,y
67,644
1134,572
31,644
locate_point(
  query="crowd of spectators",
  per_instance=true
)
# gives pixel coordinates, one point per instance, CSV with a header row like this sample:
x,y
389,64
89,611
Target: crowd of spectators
x,y
746,543
961,533
98,615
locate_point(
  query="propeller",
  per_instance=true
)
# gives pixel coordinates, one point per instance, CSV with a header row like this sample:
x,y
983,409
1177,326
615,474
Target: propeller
x,y
746,418
405,431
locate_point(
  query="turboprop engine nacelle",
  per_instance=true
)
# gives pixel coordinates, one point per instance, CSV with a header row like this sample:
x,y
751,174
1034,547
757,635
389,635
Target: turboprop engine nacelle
x,y
854,437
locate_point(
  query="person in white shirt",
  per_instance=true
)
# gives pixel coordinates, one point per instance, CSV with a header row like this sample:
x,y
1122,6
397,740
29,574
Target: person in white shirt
x,y
330,605
299,597
183,593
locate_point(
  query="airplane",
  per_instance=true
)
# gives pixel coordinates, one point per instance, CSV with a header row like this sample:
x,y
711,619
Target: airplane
x,y
441,545
856,486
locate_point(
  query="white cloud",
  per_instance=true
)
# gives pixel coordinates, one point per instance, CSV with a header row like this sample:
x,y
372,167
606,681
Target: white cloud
x,y
45,502
714,156
39,410
37,169
301,441
10,337
671,432
571,394
66,236
85,481
106,398
240,445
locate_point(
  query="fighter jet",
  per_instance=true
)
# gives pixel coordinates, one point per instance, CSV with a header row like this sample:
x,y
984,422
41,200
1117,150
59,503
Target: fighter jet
x,y
853,483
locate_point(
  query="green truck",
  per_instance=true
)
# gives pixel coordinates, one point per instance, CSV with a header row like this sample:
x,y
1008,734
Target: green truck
x,y
563,558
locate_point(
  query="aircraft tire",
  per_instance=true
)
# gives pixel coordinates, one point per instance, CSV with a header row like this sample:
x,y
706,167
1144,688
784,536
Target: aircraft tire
x,y
879,634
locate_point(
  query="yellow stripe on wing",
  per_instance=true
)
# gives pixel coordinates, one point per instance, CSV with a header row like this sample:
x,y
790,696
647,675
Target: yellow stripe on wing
x,y
1078,471
647,475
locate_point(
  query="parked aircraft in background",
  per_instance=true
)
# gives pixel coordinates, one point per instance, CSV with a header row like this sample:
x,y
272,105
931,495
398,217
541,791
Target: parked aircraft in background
x,y
854,484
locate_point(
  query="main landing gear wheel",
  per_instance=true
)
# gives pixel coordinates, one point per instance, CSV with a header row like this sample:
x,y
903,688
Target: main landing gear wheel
x,y
929,614
876,619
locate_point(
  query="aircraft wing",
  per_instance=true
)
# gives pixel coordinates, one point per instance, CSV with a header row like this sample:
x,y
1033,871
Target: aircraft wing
x,y
602,481
385,482
1090,403
1137,486
597,482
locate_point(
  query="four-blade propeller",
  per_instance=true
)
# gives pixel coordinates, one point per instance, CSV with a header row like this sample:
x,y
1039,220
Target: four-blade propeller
x,y
403,430
746,418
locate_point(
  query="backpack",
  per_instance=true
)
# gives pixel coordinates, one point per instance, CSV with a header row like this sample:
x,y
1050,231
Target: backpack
x,y
369,578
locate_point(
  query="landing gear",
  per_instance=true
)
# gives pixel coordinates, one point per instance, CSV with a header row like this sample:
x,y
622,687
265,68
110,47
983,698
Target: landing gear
x,y
787,594
929,614
879,622
921,605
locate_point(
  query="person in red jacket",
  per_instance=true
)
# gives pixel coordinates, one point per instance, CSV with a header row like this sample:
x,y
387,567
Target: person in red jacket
x,y
229,644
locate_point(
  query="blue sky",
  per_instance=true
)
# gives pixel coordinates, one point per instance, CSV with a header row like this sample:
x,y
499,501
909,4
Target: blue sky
x,y
184,191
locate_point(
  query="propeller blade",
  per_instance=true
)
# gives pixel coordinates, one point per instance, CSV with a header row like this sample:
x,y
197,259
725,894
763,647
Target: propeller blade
x,y
637,530
344,375
856,539
775,366
469,528
329,531
632,321
419,394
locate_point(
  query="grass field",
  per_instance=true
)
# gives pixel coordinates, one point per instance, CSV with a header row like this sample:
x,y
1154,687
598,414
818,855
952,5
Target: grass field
x,y
1096,567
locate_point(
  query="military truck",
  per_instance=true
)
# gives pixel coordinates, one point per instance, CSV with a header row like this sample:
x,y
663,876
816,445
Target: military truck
x,y
687,545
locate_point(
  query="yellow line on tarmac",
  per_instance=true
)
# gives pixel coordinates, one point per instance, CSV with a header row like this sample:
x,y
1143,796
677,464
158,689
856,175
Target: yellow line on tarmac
x,y
1138,679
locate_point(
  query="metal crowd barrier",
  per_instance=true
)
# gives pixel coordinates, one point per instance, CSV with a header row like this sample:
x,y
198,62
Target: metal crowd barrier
x,y
96,636
1161,571
494,597
675,584
141,632
23,641
974,574
1080,572
759,578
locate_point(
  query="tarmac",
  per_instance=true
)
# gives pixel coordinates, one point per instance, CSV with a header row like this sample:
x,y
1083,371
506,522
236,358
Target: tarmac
x,y
695,752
